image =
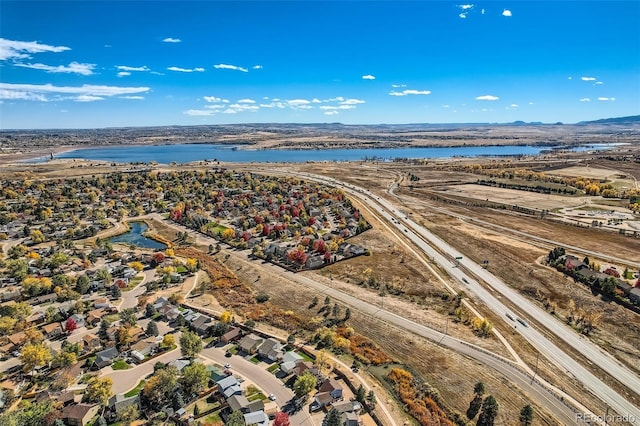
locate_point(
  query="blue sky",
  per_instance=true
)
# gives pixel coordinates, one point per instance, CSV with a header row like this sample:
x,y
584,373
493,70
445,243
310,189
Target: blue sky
x,y
73,64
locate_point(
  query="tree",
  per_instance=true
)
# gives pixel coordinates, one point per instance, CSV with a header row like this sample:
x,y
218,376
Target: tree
x,y
360,393
128,317
152,329
177,401
489,411
129,414
64,359
333,418
98,390
304,384
281,419
70,325
195,377
476,402
159,388
526,415
235,419
101,421
190,344
226,317
116,293
168,341
371,399
137,266
34,356
478,389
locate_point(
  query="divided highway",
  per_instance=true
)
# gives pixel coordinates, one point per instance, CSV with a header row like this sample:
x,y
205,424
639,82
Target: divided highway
x,y
426,241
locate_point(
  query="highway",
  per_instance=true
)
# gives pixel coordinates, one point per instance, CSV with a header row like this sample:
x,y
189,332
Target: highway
x,y
426,241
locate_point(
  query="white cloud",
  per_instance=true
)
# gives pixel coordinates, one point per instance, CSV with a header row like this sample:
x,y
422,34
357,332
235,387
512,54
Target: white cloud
x,y
487,98
88,98
256,67
72,68
107,46
178,69
123,73
10,49
410,92
132,97
396,86
330,112
598,83
215,106
246,101
465,6
298,102
463,15
230,67
85,93
127,68
212,99
514,106
606,99
585,100
171,40
506,12
229,111
198,112
352,102
21,95
482,11
316,101
588,79
333,108
570,78
368,77
446,106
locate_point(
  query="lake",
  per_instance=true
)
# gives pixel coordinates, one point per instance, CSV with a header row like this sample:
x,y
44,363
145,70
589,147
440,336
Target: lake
x,y
135,237
185,153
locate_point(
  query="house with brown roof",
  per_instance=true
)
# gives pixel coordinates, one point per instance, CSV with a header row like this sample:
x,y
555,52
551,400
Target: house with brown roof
x,y
91,342
79,414
53,330
250,343
145,346
232,334
95,316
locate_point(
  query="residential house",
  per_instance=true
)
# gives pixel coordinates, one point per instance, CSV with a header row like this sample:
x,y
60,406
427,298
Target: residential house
x,y
91,342
17,340
321,400
180,364
634,295
10,293
229,386
289,361
350,419
42,299
258,418
52,331
202,325
332,387
78,319
119,403
95,316
169,312
105,358
79,414
250,343
271,349
101,302
145,346
232,334
238,402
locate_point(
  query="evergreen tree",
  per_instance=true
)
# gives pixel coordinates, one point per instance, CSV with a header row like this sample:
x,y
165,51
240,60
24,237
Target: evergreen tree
x,y
333,418
526,415
235,419
489,412
101,421
178,401
360,393
152,329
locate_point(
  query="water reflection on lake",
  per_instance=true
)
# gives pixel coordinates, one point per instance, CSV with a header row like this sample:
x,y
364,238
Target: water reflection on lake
x,y
135,237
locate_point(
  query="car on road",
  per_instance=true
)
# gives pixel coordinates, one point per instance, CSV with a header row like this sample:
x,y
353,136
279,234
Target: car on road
x,y
523,322
272,397
228,354
509,316
227,365
464,280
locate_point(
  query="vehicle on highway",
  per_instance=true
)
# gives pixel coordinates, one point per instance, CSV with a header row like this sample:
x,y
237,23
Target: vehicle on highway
x,y
228,354
523,322
227,365
510,316
272,397
464,280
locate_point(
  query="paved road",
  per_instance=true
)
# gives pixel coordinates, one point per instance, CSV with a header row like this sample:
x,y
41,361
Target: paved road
x,y
257,374
420,236
130,298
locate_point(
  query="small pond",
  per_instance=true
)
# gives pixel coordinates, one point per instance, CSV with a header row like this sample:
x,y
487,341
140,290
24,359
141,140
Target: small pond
x,y
135,237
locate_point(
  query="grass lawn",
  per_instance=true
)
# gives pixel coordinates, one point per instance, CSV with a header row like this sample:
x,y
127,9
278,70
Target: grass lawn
x,y
305,356
135,391
253,393
133,283
233,350
120,365
203,406
254,360
273,368
181,269
213,418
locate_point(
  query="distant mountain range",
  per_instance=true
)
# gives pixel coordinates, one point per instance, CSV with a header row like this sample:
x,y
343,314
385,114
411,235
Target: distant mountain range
x,y
617,120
